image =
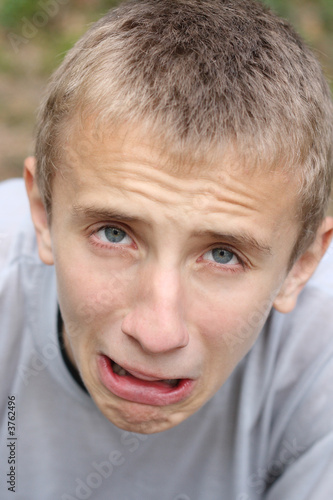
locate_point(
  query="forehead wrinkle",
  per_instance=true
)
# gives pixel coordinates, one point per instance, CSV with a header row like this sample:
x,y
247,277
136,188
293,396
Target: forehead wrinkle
x,y
126,156
131,150
191,195
190,200
137,169
222,187
151,178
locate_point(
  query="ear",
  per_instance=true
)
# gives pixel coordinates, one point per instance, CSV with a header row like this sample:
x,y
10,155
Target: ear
x,y
38,212
303,268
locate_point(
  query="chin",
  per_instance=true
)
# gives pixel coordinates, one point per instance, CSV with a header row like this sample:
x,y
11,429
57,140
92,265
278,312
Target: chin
x,y
143,419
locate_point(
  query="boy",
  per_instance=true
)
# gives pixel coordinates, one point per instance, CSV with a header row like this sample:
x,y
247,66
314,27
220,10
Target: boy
x,y
182,172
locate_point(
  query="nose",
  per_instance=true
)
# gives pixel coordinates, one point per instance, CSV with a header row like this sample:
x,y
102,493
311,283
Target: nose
x,y
156,319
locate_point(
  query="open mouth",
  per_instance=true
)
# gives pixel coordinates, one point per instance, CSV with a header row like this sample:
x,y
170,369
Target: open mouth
x,y
119,370
140,388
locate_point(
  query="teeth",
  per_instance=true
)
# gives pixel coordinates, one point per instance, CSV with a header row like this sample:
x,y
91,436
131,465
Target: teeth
x,y
172,382
119,370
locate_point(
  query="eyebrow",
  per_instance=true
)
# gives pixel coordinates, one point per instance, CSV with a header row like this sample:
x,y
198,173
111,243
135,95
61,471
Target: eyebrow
x,y
242,240
89,212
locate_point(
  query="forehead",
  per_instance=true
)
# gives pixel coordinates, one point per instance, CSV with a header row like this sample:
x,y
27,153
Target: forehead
x,y
92,148
112,156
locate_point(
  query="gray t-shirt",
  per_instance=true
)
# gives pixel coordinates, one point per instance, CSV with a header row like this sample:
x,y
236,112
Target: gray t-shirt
x,y
266,434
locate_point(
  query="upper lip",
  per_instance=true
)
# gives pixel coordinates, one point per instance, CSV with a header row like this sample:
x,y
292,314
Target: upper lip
x,y
144,375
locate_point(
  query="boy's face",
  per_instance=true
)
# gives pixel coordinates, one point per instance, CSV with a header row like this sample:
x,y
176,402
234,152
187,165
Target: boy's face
x,y
164,281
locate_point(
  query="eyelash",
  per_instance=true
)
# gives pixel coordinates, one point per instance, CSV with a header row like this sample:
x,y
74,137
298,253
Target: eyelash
x,y
109,246
232,269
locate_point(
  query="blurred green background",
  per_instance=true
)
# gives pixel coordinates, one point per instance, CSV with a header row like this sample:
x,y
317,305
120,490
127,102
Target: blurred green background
x,y
35,35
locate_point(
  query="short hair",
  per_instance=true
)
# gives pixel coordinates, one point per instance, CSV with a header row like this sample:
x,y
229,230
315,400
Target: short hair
x,y
202,74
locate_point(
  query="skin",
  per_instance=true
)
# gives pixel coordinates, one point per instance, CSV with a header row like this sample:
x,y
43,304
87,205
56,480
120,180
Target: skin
x,y
160,301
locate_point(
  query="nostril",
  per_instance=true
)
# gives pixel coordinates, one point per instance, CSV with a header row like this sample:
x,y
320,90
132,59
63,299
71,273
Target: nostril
x,y
157,330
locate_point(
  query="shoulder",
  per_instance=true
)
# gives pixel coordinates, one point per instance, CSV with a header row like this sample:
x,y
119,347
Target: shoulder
x,y
323,276
16,228
13,199
310,325
301,376
287,386
27,286
305,334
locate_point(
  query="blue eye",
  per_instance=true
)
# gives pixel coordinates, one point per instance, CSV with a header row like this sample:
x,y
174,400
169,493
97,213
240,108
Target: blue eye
x,y
221,256
112,234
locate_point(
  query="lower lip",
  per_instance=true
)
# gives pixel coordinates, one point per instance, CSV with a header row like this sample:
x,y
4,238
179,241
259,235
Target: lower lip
x,y
141,391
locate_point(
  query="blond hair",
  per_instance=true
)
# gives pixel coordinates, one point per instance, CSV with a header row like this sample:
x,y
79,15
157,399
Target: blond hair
x,y
203,74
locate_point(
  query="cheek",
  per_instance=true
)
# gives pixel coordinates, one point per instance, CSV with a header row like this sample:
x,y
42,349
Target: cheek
x,y
89,292
229,323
